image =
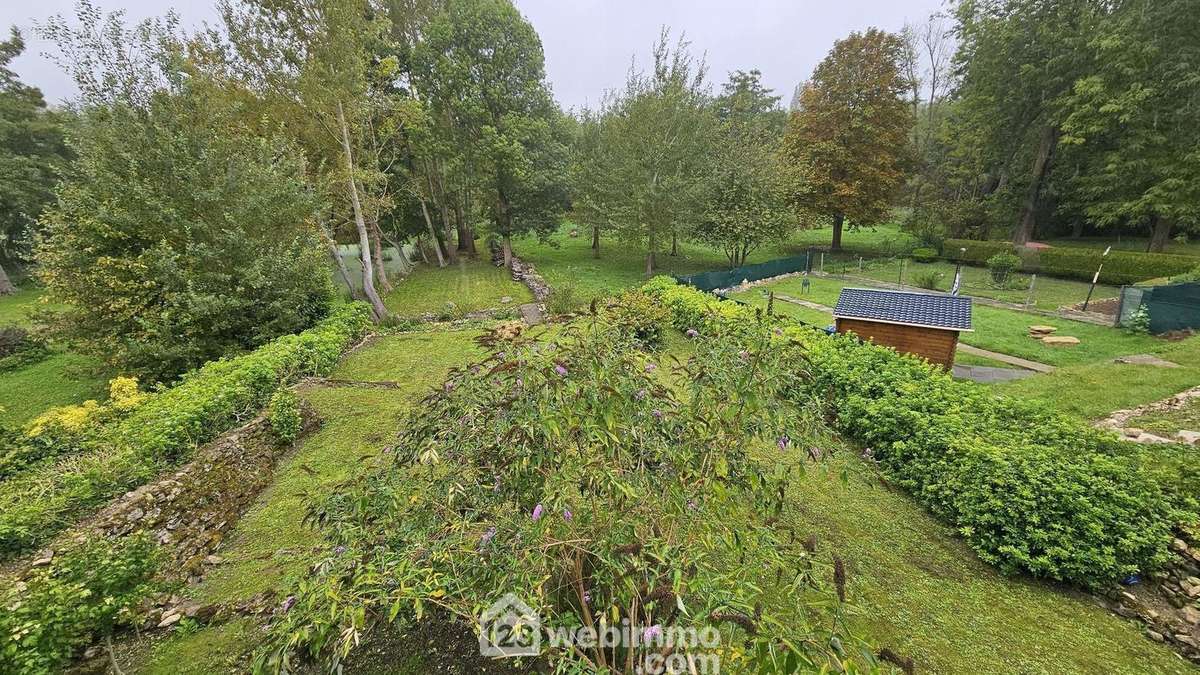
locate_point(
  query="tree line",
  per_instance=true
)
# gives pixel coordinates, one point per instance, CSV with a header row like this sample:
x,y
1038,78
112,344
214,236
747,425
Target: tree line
x,y
192,199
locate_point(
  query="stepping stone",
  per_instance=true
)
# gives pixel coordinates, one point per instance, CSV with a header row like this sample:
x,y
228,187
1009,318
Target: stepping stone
x,y
1191,437
532,314
1060,340
1043,330
1145,360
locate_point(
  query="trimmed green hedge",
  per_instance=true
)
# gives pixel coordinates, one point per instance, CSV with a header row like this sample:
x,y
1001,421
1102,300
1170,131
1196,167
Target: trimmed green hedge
x,y
1029,490
1120,267
165,429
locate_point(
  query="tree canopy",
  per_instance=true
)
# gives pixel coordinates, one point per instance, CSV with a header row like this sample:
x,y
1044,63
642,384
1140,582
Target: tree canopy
x,y
846,144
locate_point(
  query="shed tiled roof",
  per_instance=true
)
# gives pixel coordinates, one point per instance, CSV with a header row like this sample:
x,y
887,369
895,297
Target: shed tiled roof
x,y
903,307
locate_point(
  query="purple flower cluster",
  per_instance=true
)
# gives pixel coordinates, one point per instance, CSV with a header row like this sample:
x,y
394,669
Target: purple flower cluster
x,y
538,511
561,370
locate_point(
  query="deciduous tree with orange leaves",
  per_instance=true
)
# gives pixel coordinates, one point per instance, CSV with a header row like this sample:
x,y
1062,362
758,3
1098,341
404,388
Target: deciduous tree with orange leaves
x,y
846,144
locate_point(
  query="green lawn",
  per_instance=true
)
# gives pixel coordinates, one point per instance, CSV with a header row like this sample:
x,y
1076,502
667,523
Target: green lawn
x,y
913,586
471,285
61,379
1048,293
14,308
1094,390
879,240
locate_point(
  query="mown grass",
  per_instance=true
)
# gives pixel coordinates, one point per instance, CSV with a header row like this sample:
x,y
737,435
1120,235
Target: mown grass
x,y
1094,390
999,330
60,379
471,285
1049,293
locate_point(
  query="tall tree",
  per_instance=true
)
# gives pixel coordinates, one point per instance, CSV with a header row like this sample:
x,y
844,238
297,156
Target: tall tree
x,y
311,61
32,154
845,146
481,66
745,205
649,181
1017,61
1133,124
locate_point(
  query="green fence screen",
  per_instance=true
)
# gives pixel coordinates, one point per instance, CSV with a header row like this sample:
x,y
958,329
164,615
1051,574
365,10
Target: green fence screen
x,y
711,281
1171,307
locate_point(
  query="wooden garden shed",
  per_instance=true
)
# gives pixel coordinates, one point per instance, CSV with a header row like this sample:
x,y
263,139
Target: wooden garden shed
x,y
924,324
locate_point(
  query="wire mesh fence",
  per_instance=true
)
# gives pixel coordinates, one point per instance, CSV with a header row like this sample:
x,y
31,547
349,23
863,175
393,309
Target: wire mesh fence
x,y
1167,308
1027,290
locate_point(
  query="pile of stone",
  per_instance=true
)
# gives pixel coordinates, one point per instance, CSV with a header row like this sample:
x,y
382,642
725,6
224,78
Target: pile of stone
x,y
1047,336
524,273
1168,603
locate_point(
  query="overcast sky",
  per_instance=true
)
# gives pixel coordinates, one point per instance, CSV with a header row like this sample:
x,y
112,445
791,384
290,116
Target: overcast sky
x,y
589,43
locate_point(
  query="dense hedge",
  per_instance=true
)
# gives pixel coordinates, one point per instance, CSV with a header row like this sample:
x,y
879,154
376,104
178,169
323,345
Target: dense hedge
x,y
1029,490
1120,267
47,495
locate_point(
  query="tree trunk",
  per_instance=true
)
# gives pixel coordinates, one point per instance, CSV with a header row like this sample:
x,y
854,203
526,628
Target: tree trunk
x,y
432,236
650,254
1077,228
6,285
466,237
674,244
1041,163
1160,234
506,246
839,219
377,251
331,245
364,241
595,242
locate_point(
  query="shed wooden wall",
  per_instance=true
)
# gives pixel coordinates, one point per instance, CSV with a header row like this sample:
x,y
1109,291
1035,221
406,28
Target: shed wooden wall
x,y
932,344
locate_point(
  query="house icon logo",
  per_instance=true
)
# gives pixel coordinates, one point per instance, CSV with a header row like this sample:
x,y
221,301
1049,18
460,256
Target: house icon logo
x,y
509,628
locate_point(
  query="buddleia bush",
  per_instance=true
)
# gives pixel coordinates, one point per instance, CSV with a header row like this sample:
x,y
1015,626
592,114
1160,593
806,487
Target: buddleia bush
x,y
600,486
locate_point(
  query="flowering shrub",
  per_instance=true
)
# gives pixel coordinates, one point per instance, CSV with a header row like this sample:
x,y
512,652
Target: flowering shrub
x,y
573,475
1028,489
43,496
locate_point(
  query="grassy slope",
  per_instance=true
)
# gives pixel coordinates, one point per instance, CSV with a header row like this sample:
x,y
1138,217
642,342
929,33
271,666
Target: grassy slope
x,y
918,590
61,379
470,285
271,546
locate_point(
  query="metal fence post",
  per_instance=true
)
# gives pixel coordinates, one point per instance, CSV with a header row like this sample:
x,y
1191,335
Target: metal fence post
x,y
1029,297
822,268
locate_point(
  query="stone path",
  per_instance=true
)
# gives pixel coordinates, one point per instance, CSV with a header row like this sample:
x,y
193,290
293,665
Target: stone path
x,y
1025,364
988,374
1005,358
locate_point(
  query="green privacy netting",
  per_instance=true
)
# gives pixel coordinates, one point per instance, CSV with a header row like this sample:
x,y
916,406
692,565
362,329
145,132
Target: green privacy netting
x,y
710,281
1171,307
